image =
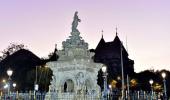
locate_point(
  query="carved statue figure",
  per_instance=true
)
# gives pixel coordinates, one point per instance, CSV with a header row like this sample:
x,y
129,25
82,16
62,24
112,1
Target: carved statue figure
x,y
80,80
75,22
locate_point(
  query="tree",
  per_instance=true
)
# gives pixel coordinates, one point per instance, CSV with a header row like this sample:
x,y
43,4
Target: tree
x,y
44,76
21,62
13,47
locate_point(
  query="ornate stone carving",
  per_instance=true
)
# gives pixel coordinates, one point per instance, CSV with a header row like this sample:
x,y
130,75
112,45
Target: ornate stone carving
x,y
75,64
80,80
75,23
75,45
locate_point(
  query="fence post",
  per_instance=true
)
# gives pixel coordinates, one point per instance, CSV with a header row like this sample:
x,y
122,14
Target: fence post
x,y
17,95
1,95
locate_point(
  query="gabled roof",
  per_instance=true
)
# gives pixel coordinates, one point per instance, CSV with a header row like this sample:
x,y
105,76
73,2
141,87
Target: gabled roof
x,y
110,48
101,44
117,44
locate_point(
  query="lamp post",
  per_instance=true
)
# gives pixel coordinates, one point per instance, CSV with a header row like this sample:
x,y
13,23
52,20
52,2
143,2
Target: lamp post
x,y
104,70
151,82
164,81
122,71
110,97
35,83
9,73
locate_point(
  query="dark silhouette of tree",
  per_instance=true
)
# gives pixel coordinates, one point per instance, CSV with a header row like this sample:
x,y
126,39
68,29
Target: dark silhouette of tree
x,y
21,62
12,48
144,77
43,78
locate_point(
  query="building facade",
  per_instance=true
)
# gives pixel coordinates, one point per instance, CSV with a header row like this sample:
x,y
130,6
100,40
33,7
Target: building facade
x,y
109,53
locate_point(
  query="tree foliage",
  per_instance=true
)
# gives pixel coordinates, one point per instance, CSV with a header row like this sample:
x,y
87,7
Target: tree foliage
x,y
13,47
22,62
44,76
144,77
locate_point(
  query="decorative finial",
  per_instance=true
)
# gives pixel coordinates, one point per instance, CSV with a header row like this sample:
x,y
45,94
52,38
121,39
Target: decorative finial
x,y
55,46
102,33
116,31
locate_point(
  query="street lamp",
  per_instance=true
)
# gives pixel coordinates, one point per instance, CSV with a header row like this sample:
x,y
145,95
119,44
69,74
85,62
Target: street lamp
x,y
14,85
5,86
151,82
4,81
164,81
104,70
110,87
9,73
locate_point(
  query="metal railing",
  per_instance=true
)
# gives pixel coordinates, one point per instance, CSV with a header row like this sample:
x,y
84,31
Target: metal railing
x,y
114,95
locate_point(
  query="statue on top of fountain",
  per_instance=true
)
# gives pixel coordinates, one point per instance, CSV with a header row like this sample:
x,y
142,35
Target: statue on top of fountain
x,y
75,46
76,19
